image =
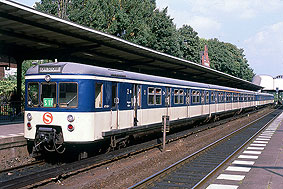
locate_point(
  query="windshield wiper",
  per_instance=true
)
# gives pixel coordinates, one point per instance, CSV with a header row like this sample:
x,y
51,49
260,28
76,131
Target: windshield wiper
x,y
71,100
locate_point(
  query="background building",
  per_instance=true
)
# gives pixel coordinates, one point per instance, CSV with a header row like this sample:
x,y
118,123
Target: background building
x,y
273,85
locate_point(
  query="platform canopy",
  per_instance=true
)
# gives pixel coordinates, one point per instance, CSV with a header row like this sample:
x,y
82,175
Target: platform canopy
x,y
29,34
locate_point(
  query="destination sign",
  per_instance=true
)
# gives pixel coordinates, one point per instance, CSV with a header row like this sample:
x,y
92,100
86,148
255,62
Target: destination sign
x,y
49,69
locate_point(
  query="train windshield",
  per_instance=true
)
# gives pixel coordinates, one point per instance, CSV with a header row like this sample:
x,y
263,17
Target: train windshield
x,y
48,95
68,96
33,92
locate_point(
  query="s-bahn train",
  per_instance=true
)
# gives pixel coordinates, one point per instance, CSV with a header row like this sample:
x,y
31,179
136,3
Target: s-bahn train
x,y
70,103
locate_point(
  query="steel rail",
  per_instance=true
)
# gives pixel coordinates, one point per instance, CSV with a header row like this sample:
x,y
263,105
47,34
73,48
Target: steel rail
x,y
160,174
37,162
203,181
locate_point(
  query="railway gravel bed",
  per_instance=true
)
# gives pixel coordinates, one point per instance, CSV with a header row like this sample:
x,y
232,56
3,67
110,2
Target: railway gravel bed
x,y
128,171
190,172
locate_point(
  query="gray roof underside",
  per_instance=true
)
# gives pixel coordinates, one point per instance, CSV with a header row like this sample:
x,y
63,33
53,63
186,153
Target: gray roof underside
x,y
28,34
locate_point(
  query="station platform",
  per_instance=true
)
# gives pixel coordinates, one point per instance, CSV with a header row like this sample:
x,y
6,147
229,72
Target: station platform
x,y
259,165
11,130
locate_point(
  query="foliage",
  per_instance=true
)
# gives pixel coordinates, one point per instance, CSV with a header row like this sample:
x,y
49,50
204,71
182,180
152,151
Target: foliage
x,y
48,6
140,22
227,58
9,85
191,46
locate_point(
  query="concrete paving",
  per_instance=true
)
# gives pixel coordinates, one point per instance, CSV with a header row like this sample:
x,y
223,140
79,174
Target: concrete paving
x,y
259,166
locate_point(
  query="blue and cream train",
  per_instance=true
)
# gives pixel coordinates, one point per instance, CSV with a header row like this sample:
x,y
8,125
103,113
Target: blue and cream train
x,y
71,103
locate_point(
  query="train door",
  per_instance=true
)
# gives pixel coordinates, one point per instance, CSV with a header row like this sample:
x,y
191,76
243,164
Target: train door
x,y
136,102
188,102
168,100
216,101
115,105
202,102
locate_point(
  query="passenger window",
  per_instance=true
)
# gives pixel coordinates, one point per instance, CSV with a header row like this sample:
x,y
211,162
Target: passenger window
x,y
33,92
151,95
207,96
212,97
194,96
154,96
176,96
198,97
68,96
98,95
181,96
158,96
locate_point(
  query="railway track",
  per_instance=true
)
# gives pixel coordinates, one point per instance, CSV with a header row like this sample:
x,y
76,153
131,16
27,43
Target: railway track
x,y
45,173
194,170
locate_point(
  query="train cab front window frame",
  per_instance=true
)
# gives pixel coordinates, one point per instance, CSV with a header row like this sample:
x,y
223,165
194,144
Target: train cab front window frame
x,y
68,95
33,94
48,100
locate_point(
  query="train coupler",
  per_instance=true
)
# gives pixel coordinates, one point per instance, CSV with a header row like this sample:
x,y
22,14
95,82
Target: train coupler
x,y
48,139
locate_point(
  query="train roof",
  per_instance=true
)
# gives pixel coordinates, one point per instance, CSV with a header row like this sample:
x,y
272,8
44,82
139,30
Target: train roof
x,y
82,69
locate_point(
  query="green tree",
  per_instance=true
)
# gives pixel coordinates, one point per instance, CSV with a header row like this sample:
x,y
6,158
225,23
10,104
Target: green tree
x,y
190,46
137,21
7,86
165,37
227,58
48,6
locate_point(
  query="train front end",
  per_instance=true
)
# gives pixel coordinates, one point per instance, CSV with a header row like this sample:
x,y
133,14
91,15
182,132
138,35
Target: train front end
x,y
53,117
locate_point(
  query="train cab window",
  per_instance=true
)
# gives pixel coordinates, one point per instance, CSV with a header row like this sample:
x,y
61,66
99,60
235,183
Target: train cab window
x,y
48,95
68,95
98,95
33,92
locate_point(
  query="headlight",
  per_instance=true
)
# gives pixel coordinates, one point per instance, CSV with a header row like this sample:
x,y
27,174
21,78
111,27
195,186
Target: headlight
x,y
29,117
70,118
47,78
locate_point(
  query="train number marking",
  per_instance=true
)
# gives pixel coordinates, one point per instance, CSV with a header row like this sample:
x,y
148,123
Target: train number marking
x,y
47,118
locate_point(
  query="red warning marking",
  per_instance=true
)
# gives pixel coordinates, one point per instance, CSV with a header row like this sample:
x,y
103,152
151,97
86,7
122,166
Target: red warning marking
x,y
47,118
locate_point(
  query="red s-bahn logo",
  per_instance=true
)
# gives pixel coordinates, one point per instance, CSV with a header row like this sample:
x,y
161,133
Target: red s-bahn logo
x,y
47,118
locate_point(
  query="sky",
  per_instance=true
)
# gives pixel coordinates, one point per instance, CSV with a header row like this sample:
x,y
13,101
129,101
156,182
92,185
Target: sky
x,y
253,25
